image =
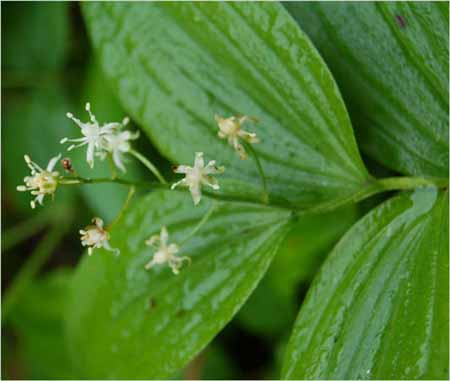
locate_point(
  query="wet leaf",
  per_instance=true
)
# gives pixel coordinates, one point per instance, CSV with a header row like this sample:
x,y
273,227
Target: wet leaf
x,y
174,66
297,261
126,322
379,307
390,60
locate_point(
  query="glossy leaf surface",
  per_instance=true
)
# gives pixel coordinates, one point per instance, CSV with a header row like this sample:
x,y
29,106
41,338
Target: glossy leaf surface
x,y
175,65
379,307
297,261
390,59
126,322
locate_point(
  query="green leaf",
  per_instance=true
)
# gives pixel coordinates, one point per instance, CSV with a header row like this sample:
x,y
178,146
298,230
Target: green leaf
x,y
38,321
379,306
174,66
297,261
390,60
126,322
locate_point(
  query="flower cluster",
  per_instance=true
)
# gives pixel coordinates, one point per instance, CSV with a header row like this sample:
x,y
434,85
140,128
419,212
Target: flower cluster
x,y
197,176
102,140
230,129
42,182
110,139
95,236
165,252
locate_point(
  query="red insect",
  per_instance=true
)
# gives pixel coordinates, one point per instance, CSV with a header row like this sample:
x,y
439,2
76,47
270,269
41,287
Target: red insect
x,y
67,164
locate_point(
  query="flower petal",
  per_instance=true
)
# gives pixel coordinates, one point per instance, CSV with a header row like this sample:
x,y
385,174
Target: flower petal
x,y
181,168
196,193
52,163
199,162
90,154
164,236
181,182
117,160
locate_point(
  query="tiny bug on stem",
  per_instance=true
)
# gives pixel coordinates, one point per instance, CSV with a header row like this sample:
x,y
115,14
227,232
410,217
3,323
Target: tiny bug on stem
x,y
67,164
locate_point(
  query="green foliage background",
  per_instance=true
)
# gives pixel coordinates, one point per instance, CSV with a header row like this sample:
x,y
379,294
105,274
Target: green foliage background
x,y
378,307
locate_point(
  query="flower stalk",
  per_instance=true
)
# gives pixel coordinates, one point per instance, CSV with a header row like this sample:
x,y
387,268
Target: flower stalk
x,y
111,141
265,193
148,164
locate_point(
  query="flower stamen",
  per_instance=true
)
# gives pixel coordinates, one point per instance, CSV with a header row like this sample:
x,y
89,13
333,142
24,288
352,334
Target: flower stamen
x,y
197,176
165,252
230,129
95,236
42,182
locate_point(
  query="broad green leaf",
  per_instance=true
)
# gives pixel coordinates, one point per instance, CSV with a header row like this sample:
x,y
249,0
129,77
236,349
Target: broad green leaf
x,y
34,41
390,59
297,261
126,322
379,306
38,321
174,66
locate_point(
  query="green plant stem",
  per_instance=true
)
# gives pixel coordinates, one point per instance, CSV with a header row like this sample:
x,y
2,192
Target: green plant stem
x,y
369,188
131,192
374,186
200,224
29,270
407,183
86,181
149,165
265,194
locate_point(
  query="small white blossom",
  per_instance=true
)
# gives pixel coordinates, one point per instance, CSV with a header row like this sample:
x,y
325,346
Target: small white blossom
x,y
118,144
198,175
93,134
95,236
165,253
230,128
42,182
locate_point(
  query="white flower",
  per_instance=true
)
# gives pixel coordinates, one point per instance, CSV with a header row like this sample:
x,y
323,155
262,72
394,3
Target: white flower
x,y
93,134
198,175
165,253
230,128
96,237
42,182
118,144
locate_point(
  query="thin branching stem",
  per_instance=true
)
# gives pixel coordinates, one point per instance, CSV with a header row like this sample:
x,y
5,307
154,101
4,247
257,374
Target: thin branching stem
x,y
265,194
149,166
125,205
369,188
200,224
